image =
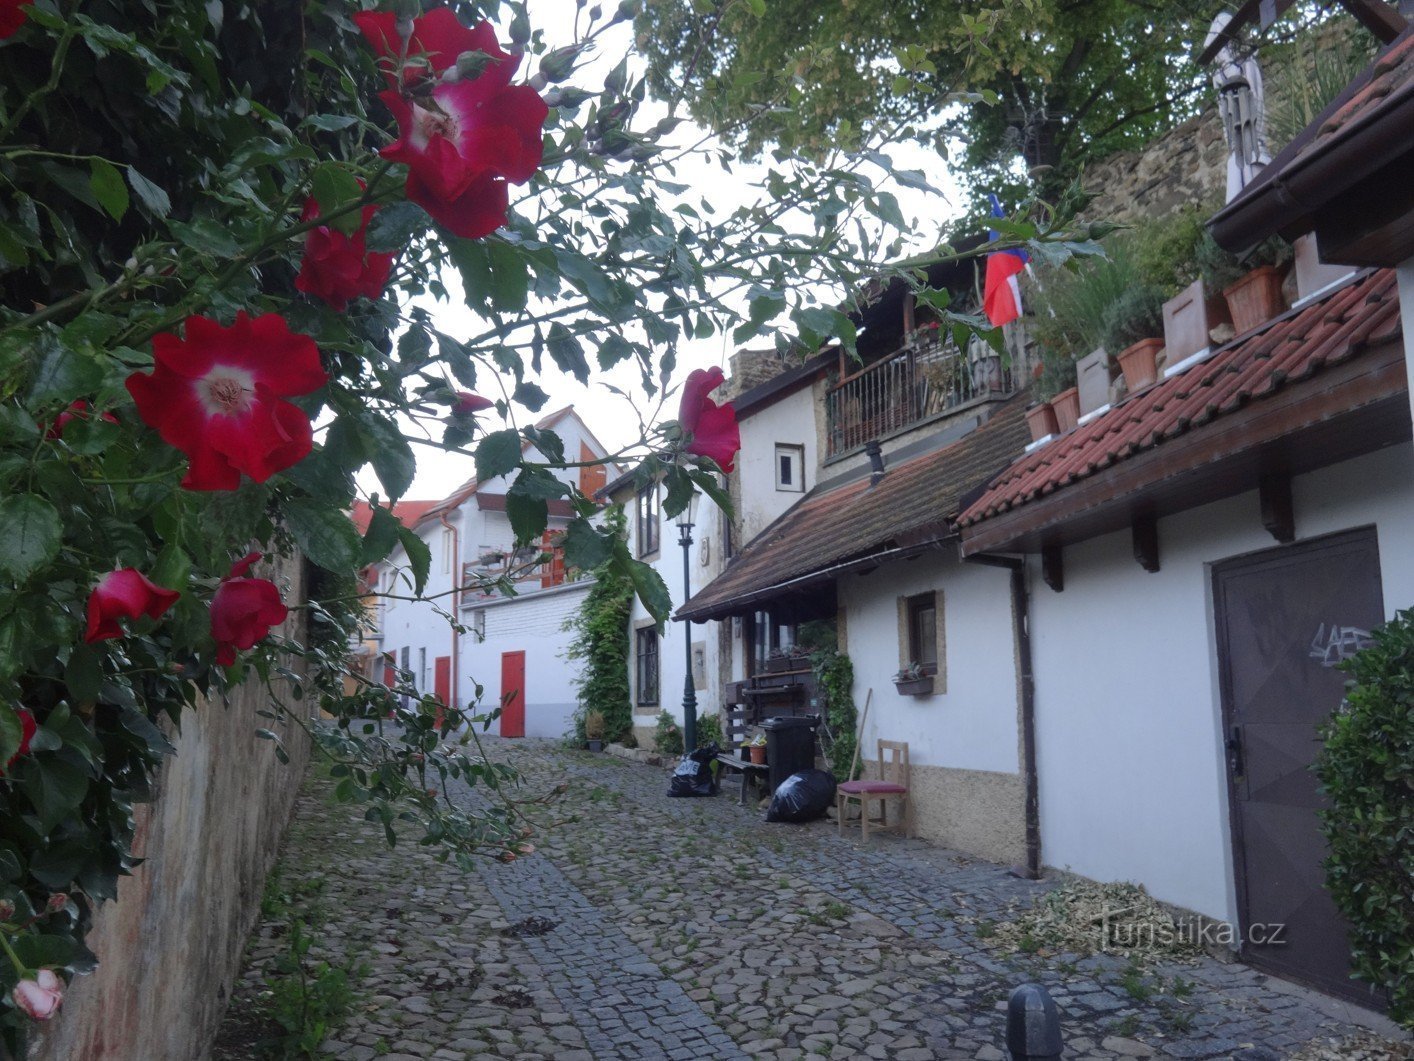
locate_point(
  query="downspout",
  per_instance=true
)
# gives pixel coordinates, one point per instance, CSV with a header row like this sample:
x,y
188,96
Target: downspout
x,y
456,611
1021,618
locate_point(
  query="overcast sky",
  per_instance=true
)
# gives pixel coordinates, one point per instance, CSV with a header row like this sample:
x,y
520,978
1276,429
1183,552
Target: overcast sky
x,y
606,413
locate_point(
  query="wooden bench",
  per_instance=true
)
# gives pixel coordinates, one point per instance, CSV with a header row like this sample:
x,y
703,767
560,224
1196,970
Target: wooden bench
x,y
755,774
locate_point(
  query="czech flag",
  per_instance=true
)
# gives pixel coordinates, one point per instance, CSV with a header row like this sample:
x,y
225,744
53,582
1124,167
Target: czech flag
x,y
1001,295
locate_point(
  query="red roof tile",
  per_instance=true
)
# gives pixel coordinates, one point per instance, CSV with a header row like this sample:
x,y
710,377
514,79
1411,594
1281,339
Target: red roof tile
x,y
405,512
1289,349
913,504
1391,72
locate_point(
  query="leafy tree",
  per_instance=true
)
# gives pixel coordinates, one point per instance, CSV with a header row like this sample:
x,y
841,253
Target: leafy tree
x,y
601,647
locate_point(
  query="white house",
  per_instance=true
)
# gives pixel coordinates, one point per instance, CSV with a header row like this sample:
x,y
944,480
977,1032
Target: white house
x,y
512,654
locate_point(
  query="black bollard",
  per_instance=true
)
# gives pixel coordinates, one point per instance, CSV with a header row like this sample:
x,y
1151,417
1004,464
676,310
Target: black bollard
x,y
1032,1025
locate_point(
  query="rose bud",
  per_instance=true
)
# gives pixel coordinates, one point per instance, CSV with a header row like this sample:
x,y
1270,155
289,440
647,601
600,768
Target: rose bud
x,y
39,998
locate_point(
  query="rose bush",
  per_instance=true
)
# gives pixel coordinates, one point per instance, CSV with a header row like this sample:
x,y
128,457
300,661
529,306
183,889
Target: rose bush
x,y
230,359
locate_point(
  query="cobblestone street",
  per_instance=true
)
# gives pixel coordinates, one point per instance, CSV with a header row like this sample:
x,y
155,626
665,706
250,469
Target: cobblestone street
x,y
692,929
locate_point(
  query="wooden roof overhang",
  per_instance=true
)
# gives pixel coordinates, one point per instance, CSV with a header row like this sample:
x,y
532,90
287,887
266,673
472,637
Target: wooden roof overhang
x,y
1351,409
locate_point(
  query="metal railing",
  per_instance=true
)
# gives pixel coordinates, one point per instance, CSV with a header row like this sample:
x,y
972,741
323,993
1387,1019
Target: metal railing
x,y
929,376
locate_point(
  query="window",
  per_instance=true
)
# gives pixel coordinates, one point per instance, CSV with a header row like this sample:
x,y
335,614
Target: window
x,y
770,634
447,537
422,670
728,550
478,623
790,468
922,622
648,522
646,662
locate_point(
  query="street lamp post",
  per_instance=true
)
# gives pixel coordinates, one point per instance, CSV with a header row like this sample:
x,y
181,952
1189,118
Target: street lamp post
x,y
689,689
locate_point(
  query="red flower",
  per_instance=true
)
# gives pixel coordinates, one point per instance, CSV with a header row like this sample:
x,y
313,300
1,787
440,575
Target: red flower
x,y
243,611
465,139
338,268
77,410
39,998
27,731
437,39
216,397
124,594
711,429
11,17
468,404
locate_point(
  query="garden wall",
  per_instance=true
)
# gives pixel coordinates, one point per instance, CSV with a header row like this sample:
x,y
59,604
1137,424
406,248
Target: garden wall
x,y
1185,167
171,946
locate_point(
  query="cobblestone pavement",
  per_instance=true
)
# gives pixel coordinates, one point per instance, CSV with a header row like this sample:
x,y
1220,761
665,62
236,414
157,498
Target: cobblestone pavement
x,y
691,928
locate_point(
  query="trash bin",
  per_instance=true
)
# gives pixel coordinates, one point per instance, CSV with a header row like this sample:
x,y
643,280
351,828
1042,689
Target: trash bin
x,y
790,746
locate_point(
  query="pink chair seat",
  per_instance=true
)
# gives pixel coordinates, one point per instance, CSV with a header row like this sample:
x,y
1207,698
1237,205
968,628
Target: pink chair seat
x,y
876,787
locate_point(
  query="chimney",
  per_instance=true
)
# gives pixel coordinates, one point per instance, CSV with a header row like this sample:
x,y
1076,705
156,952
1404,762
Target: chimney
x,y
876,461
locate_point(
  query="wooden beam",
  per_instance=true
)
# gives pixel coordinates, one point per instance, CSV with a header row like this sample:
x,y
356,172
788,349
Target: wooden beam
x,y
1274,495
1262,13
1146,541
1052,567
1380,18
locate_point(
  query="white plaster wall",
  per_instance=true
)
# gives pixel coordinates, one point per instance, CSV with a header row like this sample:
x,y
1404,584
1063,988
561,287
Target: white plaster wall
x,y
534,624
973,725
790,421
417,624
1129,731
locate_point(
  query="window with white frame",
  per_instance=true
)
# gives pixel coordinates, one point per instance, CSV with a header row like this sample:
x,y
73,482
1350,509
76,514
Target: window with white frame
x,y
790,468
648,520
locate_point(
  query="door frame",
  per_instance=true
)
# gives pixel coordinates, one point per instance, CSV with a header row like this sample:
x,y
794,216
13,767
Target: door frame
x,y
1241,882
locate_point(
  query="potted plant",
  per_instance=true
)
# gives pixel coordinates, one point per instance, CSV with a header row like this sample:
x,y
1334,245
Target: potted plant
x,y
1251,283
594,730
783,660
1131,326
913,680
1041,419
758,749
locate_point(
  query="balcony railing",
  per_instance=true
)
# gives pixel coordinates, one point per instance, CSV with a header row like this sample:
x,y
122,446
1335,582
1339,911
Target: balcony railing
x,y
927,377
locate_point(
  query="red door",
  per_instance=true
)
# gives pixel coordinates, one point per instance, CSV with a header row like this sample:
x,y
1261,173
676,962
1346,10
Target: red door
x,y
390,679
442,683
513,694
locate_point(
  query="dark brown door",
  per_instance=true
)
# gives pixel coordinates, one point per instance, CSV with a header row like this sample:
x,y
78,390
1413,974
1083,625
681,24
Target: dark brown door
x,y
1285,617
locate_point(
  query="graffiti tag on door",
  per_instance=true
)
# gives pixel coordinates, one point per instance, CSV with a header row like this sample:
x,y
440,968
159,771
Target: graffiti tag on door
x,y
1330,647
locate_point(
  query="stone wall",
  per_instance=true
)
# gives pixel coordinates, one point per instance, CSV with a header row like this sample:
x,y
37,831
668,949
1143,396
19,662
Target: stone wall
x,y
170,947
1185,167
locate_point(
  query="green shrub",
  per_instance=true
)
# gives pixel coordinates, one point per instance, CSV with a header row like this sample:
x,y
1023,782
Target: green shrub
x,y
601,645
1166,251
1367,770
1069,305
667,736
1221,269
709,729
1136,314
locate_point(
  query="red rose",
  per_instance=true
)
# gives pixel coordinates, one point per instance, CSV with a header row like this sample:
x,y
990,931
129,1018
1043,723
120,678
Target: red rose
x,y
463,140
77,410
437,39
39,998
338,268
243,611
710,429
468,404
27,731
124,594
216,397
11,17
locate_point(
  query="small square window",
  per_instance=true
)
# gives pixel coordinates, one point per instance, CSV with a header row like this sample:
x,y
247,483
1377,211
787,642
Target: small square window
x,y
790,468
648,520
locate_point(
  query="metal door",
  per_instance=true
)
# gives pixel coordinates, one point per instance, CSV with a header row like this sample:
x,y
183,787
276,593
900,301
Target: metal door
x,y
442,685
513,694
1285,617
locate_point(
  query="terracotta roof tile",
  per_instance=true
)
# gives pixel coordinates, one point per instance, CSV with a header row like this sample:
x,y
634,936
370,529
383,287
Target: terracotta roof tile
x,y
1294,347
405,512
913,504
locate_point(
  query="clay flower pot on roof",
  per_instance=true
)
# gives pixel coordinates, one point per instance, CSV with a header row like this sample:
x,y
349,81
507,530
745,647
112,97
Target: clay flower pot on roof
x,y
1041,419
1256,298
1067,408
1139,363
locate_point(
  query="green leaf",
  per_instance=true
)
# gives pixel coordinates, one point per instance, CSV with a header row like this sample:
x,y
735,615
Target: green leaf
x,y
394,226
32,535
11,733
538,483
419,556
392,456
585,547
61,373
648,584
567,352
153,197
108,187
142,727
208,236
325,535
83,674
530,396
497,454
381,537
55,787
510,278
679,491
529,516
334,187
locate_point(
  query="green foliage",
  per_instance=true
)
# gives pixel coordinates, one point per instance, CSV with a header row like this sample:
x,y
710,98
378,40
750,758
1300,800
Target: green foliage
x,y
1166,251
1138,313
600,645
1069,304
709,729
667,735
1303,77
1366,768
594,725
834,684
1221,269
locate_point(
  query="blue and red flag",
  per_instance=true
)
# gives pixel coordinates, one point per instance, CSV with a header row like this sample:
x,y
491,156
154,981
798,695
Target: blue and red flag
x,y
1001,294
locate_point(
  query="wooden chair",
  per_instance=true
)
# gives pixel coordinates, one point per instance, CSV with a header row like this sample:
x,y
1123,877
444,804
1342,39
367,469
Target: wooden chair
x,y
892,784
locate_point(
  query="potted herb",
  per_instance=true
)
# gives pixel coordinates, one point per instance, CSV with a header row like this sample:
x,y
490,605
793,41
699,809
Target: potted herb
x,y
758,749
784,660
594,730
1131,326
913,680
1251,283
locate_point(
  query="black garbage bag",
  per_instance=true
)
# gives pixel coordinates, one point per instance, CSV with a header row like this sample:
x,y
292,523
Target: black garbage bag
x,y
694,775
802,797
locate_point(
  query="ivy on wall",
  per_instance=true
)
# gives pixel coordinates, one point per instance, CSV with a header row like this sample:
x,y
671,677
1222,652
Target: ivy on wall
x,y
600,645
